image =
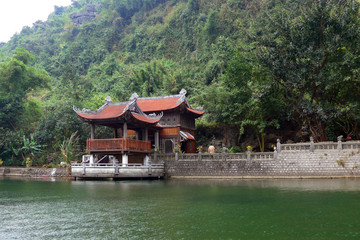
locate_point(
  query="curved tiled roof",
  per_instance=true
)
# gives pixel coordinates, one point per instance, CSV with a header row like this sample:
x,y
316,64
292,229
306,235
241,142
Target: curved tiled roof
x,y
138,107
146,119
117,110
195,111
158,104
108,112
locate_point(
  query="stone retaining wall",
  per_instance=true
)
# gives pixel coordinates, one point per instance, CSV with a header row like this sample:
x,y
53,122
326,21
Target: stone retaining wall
x,y
33,172
326,160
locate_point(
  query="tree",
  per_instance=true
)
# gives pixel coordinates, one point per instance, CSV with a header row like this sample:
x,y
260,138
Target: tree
x,y
17,79
314,60
245,97
211,29
257,99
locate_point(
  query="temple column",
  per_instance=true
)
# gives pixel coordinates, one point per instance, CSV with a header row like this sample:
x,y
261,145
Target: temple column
x,y
124,142
178,144
125,160
120,132
125,130
116,135
145,134
157,140
146,160
91,160
137,135
92,136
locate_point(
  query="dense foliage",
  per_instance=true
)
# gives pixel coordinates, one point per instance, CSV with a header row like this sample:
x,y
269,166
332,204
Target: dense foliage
x,y
262,69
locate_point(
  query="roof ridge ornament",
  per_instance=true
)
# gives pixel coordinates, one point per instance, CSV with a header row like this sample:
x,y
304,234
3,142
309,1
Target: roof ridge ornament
x,y
183,92
108,100
134,96
83,111
154,116
182,98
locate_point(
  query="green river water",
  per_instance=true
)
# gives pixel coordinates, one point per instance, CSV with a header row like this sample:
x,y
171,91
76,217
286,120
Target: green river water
x,y
180,209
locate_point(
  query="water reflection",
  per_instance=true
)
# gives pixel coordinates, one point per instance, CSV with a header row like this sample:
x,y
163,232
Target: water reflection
x,y
285,184
340,184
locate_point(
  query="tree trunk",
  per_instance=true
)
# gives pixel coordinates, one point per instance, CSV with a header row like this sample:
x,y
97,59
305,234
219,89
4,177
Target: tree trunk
x,y
261,141
318,130
356,127
225,136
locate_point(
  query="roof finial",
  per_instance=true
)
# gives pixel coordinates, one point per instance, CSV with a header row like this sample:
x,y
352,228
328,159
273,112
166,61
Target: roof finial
x,y
108,100
134,96
183,92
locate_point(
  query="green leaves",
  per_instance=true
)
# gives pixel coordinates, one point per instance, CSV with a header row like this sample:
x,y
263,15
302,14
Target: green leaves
x,y
30,146
311,57
17,79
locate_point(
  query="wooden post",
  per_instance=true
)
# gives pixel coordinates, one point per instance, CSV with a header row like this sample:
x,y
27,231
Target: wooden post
x,y
125,130
124,138
92,131
146,136
157,140
120,133
116,133
178,138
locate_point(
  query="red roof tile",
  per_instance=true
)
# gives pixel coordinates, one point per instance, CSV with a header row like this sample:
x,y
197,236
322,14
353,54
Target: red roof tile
x,y
144,118
195,111
158,104
115,111
147,105
112,111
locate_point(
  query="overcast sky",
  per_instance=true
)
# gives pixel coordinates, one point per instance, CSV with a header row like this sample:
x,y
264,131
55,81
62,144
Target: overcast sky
x,y
15,14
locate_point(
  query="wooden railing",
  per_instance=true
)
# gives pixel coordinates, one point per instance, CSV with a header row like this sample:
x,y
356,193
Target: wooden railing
x,y
118,144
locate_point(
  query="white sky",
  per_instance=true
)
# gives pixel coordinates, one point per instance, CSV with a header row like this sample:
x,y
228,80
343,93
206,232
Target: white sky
x,y
15,14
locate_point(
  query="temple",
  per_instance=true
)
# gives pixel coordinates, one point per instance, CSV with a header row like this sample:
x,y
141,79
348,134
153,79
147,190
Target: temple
x,y
142,125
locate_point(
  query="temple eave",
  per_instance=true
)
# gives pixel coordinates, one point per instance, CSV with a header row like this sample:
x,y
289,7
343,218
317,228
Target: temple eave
x,y
118,121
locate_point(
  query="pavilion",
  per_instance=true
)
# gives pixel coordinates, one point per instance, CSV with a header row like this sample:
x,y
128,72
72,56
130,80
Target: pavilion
x,y
142,125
